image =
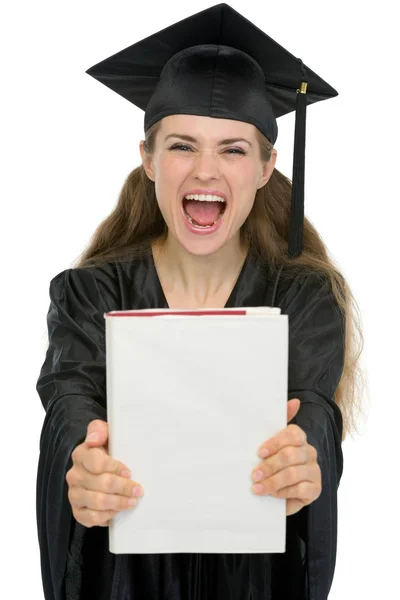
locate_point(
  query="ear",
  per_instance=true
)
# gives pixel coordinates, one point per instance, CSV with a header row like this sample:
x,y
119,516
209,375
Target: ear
x,y
268,169
146,161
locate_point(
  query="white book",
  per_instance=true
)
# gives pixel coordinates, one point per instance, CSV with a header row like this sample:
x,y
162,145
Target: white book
x,y
191,397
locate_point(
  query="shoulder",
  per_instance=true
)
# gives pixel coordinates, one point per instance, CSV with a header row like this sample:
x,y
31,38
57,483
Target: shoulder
x,y
297,285
98,285
110,286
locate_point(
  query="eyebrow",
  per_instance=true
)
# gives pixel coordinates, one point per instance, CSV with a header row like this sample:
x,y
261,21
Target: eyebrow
x,y
189,138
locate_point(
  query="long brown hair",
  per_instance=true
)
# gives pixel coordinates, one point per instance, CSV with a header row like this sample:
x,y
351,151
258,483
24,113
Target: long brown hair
x,y
136,220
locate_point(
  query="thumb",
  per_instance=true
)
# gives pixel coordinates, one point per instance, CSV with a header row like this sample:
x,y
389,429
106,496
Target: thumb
x,y
293,408
97,433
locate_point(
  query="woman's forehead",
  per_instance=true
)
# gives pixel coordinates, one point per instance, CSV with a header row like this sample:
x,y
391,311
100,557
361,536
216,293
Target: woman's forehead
x,y
206,128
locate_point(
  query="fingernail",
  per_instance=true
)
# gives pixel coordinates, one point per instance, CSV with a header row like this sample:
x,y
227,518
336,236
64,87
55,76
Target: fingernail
x,y
137,491
264,453
257,475
258,488
93,437
126,474
132,501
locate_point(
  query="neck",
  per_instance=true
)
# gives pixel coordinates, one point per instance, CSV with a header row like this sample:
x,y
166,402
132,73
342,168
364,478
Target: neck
x,y
200,279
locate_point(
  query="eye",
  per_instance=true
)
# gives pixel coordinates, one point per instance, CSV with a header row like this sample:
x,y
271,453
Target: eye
x,y
182,147
234,151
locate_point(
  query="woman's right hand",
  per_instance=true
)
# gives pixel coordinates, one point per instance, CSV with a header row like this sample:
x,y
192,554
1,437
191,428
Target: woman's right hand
x,y
99,485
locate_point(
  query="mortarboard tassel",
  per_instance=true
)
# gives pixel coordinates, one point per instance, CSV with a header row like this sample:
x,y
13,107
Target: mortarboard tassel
x,y
297,206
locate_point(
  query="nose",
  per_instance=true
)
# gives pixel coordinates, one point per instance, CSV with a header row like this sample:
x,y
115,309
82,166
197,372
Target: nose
x,y
206,166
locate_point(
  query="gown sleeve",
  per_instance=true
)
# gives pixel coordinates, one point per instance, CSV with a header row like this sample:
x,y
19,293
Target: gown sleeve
x,y
316,357
72,389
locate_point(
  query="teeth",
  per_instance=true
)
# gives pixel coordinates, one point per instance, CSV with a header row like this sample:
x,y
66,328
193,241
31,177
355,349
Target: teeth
x,y
201,226
205,197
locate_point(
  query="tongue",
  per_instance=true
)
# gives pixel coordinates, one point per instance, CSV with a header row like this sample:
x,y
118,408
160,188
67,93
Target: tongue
x,y
203,213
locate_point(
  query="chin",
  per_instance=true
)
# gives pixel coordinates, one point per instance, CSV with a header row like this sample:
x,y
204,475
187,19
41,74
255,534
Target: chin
x,y
205,245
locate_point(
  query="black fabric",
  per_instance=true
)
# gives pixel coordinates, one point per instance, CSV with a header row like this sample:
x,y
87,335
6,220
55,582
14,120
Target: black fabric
x,y
297,205
238,72
76,563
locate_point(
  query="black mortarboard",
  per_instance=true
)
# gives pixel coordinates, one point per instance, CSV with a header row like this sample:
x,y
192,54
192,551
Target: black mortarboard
x,y
217,63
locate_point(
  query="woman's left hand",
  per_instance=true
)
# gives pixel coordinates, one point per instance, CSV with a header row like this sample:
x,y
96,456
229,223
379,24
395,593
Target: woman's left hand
x,y
290,470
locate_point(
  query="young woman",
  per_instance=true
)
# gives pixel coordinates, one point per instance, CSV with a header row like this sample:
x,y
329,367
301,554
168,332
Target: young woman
x,y
205,221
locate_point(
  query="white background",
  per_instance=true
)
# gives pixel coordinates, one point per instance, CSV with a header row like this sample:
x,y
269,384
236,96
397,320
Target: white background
x,y
68,143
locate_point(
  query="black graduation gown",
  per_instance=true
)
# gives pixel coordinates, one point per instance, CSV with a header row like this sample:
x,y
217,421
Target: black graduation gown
x,y
75,560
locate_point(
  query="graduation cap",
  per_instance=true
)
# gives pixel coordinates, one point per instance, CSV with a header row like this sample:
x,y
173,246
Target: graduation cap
x,y
217,63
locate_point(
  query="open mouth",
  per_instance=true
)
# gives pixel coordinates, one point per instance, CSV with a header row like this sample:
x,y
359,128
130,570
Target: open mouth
x,y
203,211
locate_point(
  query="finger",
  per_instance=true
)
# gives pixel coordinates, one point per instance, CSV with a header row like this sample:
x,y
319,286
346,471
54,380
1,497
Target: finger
x,y
290,476
293,406
92,518
292,435
108,483
97,433
305,492
289,455
293,506
97,461
82,498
